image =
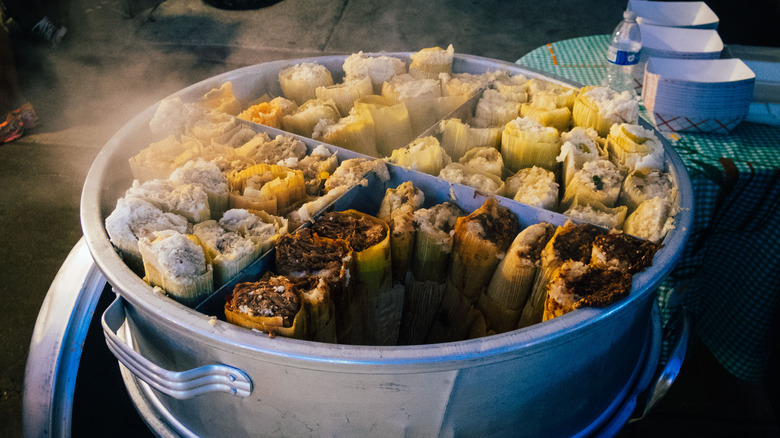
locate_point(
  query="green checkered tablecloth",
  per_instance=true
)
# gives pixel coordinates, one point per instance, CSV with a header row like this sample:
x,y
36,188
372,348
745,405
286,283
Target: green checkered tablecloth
x,y
729,273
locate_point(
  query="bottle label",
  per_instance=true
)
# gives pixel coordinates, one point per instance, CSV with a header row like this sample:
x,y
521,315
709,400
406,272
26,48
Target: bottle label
x,y
621,57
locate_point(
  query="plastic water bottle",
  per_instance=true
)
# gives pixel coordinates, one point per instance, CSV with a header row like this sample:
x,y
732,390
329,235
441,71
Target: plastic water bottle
x,y
623,55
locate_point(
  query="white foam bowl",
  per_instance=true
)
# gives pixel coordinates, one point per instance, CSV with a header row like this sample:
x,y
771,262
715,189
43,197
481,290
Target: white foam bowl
x,y
676,42
674,14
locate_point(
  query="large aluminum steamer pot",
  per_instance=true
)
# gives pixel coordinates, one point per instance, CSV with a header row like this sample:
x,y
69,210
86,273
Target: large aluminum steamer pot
x,y
557,378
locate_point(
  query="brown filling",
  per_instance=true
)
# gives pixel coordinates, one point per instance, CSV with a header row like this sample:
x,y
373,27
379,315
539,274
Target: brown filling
x,y
302,252
601,287
577,243
534,250
633,253
265,299
499,225
360,231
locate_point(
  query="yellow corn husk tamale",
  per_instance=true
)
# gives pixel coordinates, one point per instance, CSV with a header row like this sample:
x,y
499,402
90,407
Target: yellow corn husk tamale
x,y
221,99
632,147
652,219
261,228
479,242
580,145
346,93
178,264
379,69
533,186
320,308
429,62
369,238
391,122
249,306
510,286
433,241
560,96
601,107
575,285
458,137
161,158
188,200
306,117
471,176
639,186
228,251
527,143
548,115
208,177
596,213
354,132
421,305
570,242
598,181
299,82
264,113
305,253
495,109
271,188
485,158
422,98
423,154
514,88
397,210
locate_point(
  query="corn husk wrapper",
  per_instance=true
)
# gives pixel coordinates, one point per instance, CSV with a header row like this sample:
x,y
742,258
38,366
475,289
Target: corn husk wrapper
x,y
456,318
229,252
480,241
346,93
135,218
313,205
514,88
632,147
551,260
273,324
162,157
509,288
423,100
188,200
354,132
221,99
485,158
652,219
397,210
379,69
560,96
373,275
473,177
563,293
533,186
299,82
639,186
433,241
594,212
458,137
548,115
208,177
189,290
466,84
580,145
392,126
264,113
320,310
587,114
526,143
421,305
598,182
429,62
306,117
423,154
495,109
261,228
283,189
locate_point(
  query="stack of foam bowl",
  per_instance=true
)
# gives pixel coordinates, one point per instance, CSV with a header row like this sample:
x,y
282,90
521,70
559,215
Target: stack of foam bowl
x,y
677,43
675,14
697,95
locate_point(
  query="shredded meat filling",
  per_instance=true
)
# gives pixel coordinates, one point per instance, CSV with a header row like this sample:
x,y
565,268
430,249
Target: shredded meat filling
x,y
276,296
601,287
633,254
360,231
301,252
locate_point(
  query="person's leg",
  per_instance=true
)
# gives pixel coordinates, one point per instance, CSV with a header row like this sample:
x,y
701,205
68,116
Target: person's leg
x,y
10,91
31,18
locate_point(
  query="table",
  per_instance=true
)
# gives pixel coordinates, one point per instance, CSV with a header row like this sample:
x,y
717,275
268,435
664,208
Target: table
x,y
729,273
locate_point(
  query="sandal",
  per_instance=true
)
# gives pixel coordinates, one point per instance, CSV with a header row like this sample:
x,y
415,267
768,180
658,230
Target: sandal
x,y
11,128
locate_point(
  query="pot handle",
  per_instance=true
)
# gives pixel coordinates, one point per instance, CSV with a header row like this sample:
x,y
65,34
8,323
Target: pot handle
x,y
177,384
679,328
